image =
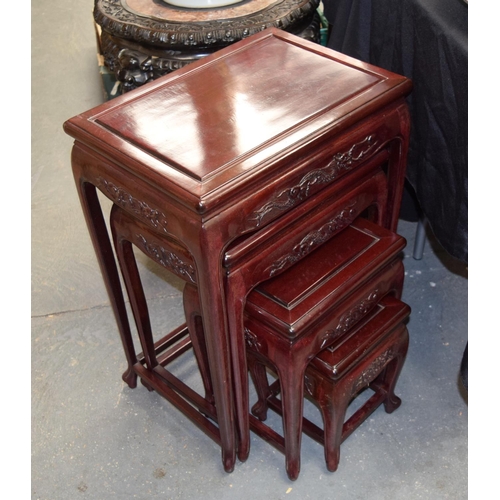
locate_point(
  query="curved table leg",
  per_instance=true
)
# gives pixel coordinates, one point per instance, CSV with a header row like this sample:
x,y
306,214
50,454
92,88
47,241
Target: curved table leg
x,y
291,378
130,273
105,257
211,290
236,298
397,169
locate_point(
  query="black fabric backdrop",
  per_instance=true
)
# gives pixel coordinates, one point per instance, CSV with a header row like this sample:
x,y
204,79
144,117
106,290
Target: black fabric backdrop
x,y
425,40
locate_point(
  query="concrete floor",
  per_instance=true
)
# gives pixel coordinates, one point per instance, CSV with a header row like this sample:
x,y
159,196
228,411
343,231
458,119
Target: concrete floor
x,y
94,438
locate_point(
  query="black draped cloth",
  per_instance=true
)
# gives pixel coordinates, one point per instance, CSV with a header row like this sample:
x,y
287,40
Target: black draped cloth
x,y
425,40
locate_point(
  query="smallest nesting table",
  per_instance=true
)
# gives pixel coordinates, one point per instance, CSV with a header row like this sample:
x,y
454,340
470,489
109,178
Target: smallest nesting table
x,y
227,149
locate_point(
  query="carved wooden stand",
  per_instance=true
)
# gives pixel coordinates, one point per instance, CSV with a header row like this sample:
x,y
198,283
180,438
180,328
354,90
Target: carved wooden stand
x,y
142,40
235,161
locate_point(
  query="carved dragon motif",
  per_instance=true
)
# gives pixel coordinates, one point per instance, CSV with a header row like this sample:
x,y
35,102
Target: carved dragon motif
x,y
349,318
125,200
168,260
339,164
314,239
373,370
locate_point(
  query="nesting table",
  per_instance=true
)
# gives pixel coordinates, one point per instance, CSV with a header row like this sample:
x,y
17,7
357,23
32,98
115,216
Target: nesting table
x,y
227,154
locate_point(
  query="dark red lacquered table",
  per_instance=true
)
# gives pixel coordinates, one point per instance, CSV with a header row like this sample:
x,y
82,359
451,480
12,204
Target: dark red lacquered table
x,y
228,157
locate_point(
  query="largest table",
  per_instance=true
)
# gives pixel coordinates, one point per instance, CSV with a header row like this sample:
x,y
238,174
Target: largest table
x,y
220,150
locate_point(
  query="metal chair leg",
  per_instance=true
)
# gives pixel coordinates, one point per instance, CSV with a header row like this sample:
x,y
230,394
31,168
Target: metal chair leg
x,y
420,237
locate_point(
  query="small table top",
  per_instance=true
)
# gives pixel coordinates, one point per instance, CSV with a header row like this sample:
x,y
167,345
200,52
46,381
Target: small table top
x,y
208,128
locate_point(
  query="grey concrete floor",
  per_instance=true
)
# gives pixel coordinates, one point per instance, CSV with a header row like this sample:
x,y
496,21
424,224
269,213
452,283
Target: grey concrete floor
x,y
94,438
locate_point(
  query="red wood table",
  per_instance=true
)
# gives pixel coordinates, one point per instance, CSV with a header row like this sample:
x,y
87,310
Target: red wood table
x,y
220,149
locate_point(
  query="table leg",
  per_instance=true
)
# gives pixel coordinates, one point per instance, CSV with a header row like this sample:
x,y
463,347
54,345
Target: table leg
x,y
211,290
236,298
238,356
105,257
291,375
137,298
397,169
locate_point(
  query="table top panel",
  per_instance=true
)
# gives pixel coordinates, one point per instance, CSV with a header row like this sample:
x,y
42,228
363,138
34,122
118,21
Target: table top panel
x,y
223,111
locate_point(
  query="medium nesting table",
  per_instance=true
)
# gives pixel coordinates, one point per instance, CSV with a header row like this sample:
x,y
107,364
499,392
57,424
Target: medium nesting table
x,y
222,156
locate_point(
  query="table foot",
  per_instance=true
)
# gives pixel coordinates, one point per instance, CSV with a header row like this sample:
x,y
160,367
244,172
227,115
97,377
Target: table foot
x,y
243,453
228,461
130,378
147,386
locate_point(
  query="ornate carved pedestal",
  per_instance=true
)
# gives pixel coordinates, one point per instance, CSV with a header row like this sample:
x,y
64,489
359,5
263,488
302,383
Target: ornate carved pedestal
x,y
142,40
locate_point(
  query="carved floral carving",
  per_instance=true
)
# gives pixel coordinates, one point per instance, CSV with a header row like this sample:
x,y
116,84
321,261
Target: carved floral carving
x,y
135,67
356,313
134,64
138,48
252,340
